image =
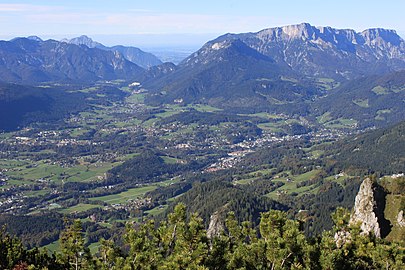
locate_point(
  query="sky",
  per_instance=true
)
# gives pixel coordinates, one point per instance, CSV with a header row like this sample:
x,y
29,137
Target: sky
x,y
160,23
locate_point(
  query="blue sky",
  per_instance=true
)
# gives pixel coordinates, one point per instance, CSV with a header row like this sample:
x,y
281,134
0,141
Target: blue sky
x,y
154,23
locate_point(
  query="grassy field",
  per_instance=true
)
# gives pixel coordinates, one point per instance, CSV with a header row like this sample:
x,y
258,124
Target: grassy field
x,y
316,153
394,203
94,247
31,171
157,210
397,89
88,90
290,184
81,207
272,127
129,123
341,123
133,193
204,108
288,79
136,99
249,177
326,117
362,103
53,247
327,83
6,135
35,193
78,132
167,113
266,115
170,160
337,179
123,197
379,90
380,114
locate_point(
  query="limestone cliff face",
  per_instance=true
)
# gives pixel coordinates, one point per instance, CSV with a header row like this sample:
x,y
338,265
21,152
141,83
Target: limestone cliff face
x,y
216,226
365,209
400,219
326,51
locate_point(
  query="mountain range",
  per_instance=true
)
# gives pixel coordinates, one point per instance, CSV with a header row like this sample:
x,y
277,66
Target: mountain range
x,y
31,60
133,54
229,75
280,69
328,52
296,69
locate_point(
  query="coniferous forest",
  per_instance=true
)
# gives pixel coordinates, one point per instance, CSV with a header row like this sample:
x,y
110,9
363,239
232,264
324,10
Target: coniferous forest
x,y
181,242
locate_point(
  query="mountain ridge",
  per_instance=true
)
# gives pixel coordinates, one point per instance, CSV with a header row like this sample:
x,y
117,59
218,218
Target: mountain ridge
x,y
320,46
133,54
229,75
30,61
265,67
371,100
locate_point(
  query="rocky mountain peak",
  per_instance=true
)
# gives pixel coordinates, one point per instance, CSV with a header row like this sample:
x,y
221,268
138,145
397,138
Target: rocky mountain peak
x,y
132,54
381,35
289,32
301,31
84,40
327,51
223,50
35,38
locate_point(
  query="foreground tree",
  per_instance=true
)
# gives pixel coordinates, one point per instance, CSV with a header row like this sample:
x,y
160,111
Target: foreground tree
x,y
175,244
74,251
180,242
346,247
13,255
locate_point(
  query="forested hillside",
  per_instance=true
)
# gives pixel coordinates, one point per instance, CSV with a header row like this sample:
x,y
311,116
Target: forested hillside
x,y
375,100
379,151
23,105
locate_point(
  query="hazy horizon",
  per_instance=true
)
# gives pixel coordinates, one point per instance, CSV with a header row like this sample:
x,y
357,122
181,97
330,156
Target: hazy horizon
x,y
151,42
159,23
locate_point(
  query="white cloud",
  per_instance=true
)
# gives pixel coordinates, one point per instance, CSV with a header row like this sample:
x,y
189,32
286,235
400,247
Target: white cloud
x,y
27,18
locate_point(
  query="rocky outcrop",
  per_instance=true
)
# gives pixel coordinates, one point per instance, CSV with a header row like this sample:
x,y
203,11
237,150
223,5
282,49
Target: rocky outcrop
x,y
400,219
364,209
216,226
342,238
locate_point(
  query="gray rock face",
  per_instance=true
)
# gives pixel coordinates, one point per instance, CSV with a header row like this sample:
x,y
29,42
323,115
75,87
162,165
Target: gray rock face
x,y
400,219
342,238
216,226
326,51
84,40
365,209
